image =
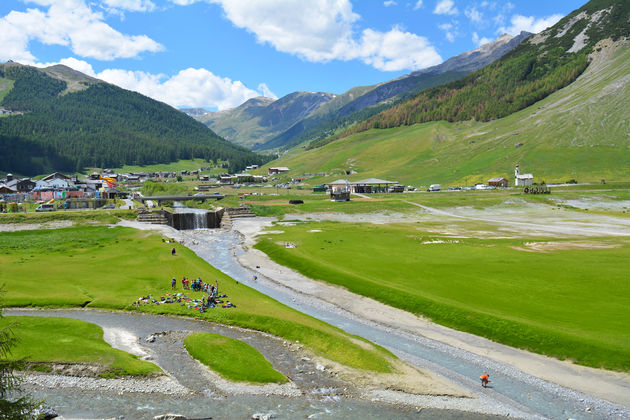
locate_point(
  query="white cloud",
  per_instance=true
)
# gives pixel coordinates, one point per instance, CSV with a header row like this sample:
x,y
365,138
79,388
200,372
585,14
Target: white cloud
x,y
69,23
131,5
474,15
529,23
389,3
445,7
323,30
418,5
188,88
479,41
397,50
449,31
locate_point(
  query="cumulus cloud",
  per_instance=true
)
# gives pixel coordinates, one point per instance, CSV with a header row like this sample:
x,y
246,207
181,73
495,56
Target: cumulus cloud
x,y
479,41
397,50
73,24
188,88
529,23
323,30
389,3
418,5
445,7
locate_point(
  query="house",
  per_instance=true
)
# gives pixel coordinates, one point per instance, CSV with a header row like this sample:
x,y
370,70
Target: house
x,y
55,180
522,179
6,190
23,185
498,182
278,170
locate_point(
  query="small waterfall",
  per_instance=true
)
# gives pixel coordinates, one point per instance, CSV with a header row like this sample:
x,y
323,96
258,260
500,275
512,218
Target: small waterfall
x,y
186,218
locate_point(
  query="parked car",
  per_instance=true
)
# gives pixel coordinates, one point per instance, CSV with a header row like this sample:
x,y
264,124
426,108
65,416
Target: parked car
x,y
46,207
109,206
435,187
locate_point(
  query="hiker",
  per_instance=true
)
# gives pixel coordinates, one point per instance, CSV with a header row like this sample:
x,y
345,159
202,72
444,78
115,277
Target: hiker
x,y
255,277
173,283
484,380
173,252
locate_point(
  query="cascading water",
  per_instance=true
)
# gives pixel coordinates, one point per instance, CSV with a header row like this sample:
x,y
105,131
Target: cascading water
x,y
188,218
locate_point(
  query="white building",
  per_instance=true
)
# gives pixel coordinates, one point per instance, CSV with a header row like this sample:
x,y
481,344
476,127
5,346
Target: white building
x,y
521,180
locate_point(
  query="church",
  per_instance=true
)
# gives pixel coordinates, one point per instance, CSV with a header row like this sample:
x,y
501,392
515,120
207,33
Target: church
x,y
522,180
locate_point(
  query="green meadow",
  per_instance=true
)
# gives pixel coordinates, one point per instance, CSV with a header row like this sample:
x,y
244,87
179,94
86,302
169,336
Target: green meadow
x,y
232,359
570,302
111,267
70,341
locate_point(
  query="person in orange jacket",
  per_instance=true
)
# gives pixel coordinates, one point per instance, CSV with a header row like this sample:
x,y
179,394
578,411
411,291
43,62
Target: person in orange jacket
x,y
485,378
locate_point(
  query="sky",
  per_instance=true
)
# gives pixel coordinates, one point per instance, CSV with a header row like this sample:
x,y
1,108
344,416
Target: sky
x,y
216,54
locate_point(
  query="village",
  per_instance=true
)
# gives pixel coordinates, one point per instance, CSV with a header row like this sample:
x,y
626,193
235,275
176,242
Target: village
x,y
59,191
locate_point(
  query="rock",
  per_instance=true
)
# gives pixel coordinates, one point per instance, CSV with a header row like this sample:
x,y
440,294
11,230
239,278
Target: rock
x,y
319,367
170,417
46,413
260,416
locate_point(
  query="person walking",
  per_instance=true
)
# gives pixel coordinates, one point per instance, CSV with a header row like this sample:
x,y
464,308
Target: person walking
x,y
173,283
173,252
485,378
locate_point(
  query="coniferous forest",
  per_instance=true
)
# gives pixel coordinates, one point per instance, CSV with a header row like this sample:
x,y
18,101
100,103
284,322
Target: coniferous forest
x,y
101,126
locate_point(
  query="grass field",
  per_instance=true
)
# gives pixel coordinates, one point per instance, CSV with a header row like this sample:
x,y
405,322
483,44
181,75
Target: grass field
x,y
71,341
232,359
570,300
103,267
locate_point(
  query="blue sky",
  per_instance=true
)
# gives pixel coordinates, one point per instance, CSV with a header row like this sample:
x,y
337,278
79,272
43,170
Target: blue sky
x,y
216,54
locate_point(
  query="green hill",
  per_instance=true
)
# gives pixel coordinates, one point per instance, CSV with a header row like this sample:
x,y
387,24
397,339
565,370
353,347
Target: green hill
x,y
536,68
65,121
579,132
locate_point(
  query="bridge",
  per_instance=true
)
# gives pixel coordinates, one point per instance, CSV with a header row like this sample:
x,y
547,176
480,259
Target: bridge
x,y
160,198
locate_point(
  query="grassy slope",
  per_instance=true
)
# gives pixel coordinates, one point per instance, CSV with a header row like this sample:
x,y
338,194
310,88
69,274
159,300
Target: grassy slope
x,y
574,304
578,132
73,341
111,267
232,359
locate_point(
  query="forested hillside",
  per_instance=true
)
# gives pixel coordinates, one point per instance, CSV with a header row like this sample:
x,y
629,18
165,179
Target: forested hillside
x,y
538,67
101,126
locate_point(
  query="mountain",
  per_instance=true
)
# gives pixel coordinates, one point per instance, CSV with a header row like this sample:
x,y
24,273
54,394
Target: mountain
x,y
578,132
538,67
57,119
259,119
325,122
263,124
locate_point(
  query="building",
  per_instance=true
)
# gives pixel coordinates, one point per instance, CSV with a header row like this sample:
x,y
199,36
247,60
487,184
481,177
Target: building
x,y
278,170
522,179
371,186
498,182
340,190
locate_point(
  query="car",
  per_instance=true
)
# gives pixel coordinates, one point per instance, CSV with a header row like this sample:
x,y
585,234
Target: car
x,y
46,207
109,206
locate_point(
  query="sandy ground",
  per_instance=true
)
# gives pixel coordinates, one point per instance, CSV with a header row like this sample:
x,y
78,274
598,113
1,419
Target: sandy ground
x,y
610,386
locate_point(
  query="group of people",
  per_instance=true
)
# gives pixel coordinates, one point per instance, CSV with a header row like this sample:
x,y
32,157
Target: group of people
x,y
197,285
